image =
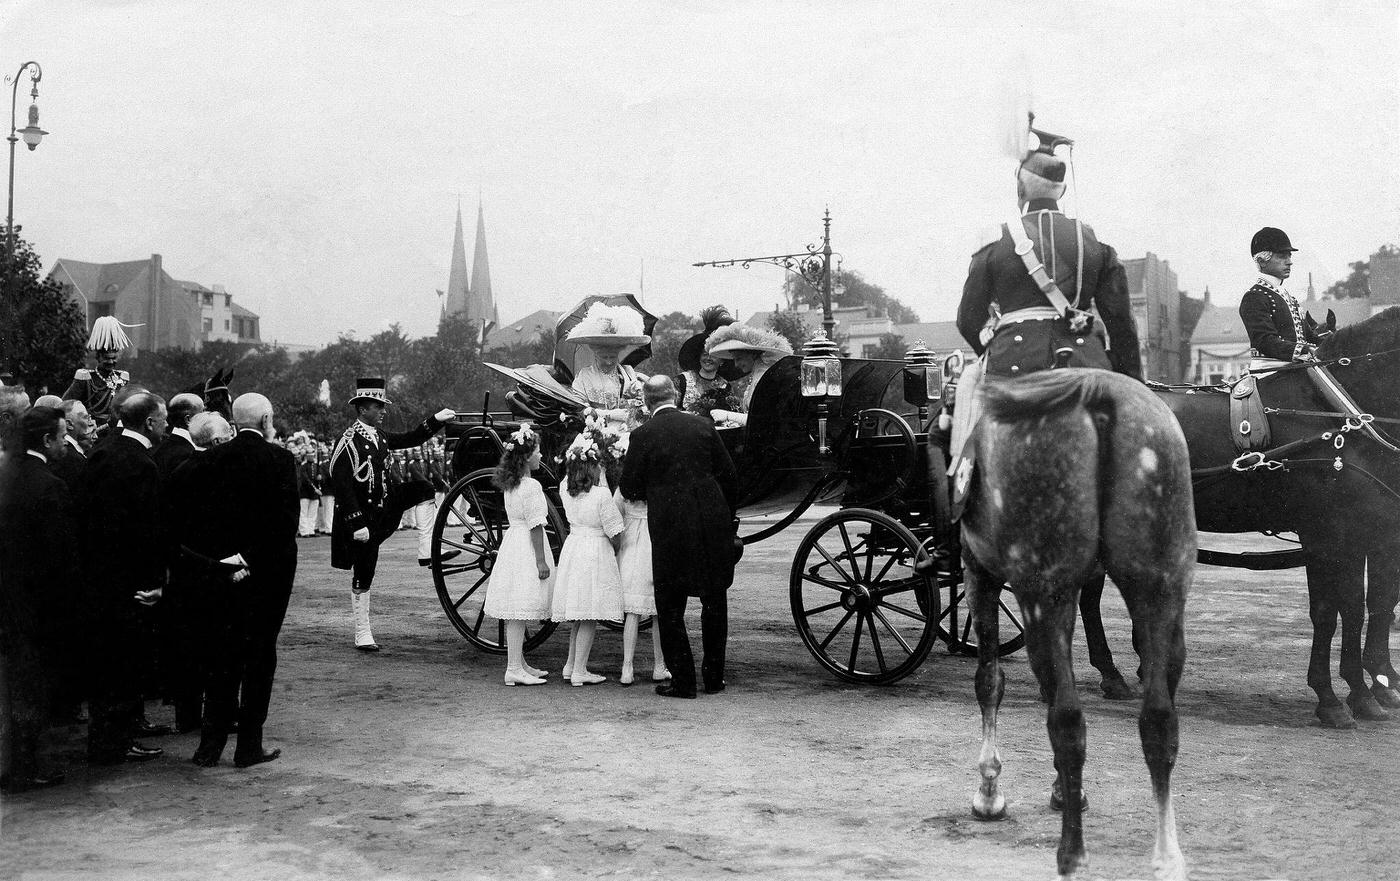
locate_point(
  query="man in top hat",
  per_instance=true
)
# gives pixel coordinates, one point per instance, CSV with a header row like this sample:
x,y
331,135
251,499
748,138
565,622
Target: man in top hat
x,y
367,511
1271,315
98,388
1038,280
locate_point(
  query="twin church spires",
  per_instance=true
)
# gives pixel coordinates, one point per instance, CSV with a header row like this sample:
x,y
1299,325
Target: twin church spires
x,y
472,299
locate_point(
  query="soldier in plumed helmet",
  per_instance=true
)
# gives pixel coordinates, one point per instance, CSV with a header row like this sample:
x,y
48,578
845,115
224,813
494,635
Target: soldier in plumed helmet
x,y
1271,315
368,509
98,388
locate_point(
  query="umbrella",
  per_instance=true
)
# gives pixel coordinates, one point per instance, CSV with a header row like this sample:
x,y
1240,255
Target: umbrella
x,y
567,356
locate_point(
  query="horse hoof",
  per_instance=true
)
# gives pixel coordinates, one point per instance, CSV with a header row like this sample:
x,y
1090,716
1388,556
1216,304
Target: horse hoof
x,y
1119,690
1386,697
993,810
1057,798
1335,716
1364,706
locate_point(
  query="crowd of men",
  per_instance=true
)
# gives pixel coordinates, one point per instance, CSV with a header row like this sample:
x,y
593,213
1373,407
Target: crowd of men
x,y
151,560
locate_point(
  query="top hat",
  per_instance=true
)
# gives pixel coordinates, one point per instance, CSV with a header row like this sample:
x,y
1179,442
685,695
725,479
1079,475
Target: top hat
x,y
1270,239
370,389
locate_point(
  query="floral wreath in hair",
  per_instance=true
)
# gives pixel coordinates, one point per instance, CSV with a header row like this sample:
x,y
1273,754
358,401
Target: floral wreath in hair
x,y
583,447
523,435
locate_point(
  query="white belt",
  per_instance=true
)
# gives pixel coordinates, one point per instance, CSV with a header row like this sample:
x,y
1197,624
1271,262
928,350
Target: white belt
x,y
1032,313
586,530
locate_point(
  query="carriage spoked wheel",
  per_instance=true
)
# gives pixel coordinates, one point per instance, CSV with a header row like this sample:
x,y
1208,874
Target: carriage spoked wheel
x,y
955,622
861,608
471,520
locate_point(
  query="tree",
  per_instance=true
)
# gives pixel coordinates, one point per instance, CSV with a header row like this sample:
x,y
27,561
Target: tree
x,y
791,327
670,333
891,347
1358,284
848,288
43,333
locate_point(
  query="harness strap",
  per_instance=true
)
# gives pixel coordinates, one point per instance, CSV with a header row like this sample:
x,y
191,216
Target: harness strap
x,y
1328,414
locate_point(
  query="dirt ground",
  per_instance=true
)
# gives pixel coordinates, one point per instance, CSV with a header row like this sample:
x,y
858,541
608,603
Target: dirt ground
x,y
417,763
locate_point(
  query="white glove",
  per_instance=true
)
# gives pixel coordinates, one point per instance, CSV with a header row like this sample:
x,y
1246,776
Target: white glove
x,y
445,415
362,534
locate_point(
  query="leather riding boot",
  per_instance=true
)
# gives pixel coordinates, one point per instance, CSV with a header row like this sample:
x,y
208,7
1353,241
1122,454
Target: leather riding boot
x,y
364,637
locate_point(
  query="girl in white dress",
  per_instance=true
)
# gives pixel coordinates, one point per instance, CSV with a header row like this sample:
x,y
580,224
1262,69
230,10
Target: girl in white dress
x,y
638,596
523,577
588,586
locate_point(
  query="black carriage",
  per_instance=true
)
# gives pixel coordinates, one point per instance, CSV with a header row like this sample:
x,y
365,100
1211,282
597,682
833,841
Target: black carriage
x,y
866,596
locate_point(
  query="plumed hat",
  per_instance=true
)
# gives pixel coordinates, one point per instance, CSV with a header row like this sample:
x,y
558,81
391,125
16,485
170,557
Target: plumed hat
x,y
725,341
609,327
712,319
1270,239
1042,173
107,335
370,389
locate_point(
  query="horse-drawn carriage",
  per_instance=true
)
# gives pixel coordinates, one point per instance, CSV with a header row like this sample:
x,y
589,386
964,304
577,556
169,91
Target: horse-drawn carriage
x,y
822,431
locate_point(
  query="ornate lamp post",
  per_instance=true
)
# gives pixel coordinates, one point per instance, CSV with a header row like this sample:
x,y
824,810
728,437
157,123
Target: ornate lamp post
x,y
32,134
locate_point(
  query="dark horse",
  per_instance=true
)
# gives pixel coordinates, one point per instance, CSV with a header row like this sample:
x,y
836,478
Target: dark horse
x,y
1075,468
215,394
1334,482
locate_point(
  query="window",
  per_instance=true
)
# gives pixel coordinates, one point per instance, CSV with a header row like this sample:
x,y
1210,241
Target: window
x,y
228,301
208,325
225,324
208,299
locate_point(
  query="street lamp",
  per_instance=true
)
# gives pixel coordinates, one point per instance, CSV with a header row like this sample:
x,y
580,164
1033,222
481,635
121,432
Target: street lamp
x,y
32,134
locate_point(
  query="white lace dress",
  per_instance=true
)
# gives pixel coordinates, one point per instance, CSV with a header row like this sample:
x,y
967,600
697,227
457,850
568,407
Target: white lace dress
x,y
515,592
634,559
588,585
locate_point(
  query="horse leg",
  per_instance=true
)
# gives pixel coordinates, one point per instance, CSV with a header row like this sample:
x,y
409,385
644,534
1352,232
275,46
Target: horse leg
x,y
1326,565
1049,617
1114,686
983,593
1351,604
1382,595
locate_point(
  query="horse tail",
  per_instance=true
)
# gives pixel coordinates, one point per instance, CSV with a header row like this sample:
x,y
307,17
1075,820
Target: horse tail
x,y
1049,393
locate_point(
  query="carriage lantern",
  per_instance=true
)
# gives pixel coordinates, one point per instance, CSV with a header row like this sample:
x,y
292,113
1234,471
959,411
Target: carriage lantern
x,y
821,380
921,380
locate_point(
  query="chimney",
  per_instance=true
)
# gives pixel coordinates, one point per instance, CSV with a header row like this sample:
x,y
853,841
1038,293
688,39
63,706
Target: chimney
x,y
153,289
1206,296
1312,294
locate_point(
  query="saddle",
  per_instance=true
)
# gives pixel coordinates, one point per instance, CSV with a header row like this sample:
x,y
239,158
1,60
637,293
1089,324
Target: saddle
x,y
1249,426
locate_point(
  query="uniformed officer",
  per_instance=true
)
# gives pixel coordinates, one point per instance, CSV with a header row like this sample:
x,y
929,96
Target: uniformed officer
x,y
367,509
1271,315
1011,314
98,388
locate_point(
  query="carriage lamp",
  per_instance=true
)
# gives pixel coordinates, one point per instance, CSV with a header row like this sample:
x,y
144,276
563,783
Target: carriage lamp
x,y
920,379
948,377
821,379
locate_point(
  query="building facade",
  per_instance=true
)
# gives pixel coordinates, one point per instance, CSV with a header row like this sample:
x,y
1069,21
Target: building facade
x,y
1156,303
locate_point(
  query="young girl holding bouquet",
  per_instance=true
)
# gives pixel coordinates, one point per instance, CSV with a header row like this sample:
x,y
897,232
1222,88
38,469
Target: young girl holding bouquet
x,y
523,577
588,587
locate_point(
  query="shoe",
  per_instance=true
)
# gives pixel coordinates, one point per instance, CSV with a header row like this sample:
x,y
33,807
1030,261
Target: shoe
x,y
38,781
135,752
244,760
627,677
660,674
568,671
208,754
444,557
535,671
368,647
520,677
673,691
586,678
146,729
714,687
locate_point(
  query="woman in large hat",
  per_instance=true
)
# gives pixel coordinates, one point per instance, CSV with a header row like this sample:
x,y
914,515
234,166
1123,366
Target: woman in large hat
x,y
611,333
704,380
367,508
97,388
753,350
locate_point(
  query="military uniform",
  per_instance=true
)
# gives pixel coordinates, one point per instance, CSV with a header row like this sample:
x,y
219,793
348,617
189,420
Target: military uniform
x,y
1274,321
1027,331
97,392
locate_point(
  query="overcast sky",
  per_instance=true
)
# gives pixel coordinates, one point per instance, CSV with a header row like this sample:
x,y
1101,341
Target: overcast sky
x,y
309,155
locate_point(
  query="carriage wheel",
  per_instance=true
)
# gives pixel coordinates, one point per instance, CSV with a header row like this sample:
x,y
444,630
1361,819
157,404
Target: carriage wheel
x,y
955,622
471,520
860,607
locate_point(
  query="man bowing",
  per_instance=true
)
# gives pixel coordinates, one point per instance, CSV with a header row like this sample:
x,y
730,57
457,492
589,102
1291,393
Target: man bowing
x,y
678,465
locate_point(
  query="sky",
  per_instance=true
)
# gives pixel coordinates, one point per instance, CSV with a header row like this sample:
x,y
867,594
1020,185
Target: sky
x,y
310,156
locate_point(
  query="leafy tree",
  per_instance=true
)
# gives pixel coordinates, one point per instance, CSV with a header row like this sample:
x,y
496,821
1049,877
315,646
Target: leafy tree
x,y
791,327
1358,283
891,347
43,333
848,288
670,333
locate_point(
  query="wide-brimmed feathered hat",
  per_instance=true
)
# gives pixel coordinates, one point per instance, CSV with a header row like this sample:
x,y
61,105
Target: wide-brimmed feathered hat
x,y
614,327
725,341
107,335
370,389
712,319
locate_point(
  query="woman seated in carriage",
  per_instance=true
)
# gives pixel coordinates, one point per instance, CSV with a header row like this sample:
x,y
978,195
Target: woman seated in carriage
x,y
752,350
705,381
611,333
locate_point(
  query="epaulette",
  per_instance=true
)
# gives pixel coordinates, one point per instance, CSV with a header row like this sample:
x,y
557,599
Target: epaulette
x,y
82,374
124,376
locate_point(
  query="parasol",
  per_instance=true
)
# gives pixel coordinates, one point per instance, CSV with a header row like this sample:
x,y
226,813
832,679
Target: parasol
x,y
570,357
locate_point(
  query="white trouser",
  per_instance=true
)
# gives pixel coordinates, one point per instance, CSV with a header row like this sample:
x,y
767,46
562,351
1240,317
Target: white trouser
x,y
323,520
308,517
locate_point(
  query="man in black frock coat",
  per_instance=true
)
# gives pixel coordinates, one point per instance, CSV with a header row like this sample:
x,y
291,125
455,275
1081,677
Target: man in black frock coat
x,y
127,555
250,512
678,465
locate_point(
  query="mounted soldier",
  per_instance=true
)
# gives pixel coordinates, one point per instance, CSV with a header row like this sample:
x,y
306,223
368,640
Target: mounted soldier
x,y
98,388
1277,332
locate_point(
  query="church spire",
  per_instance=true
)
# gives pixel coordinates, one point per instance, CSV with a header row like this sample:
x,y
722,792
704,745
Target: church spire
x,y
457,292
482,305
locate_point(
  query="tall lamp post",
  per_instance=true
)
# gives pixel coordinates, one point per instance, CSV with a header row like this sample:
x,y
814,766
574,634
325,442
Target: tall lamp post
x,y
32,135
